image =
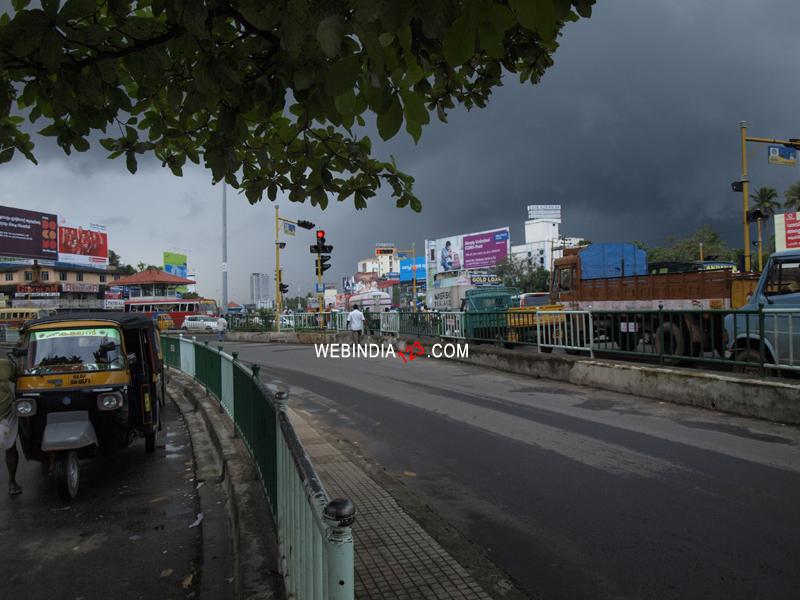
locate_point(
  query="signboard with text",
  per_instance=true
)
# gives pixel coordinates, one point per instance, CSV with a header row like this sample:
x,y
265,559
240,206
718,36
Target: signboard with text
x,y
781,155
787,231
28,234
481,250
406,272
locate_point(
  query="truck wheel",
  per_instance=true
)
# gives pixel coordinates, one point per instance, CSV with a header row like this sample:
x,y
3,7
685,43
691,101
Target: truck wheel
x,y
751,355
67,474
669,340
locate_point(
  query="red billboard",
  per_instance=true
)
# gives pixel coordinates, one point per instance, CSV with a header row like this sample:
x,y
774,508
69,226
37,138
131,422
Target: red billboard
x,y
82,244
28,234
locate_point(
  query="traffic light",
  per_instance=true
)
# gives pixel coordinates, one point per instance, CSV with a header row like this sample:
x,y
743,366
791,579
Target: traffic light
x,y
737,186
284,288
305,224
320,247
322,264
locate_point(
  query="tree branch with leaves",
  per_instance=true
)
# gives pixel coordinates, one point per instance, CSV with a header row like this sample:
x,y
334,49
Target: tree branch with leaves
x,y
268,95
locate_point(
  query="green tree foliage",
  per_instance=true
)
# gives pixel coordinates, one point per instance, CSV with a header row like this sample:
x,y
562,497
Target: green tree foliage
x,y
765,200
792,197
267,94
688,249
523,275
115,263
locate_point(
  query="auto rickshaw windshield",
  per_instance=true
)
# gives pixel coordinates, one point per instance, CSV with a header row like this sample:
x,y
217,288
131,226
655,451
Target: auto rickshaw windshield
x,y
83,349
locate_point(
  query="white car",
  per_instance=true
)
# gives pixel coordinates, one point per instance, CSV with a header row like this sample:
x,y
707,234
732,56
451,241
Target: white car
x,y
200,323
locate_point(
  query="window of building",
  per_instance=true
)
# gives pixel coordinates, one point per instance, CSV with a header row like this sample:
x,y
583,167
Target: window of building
x,y
44,276
28,275
102,278
78,276
62,276
116,277
9,277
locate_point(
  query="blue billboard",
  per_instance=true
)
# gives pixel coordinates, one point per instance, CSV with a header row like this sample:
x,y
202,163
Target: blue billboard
x,y
406,273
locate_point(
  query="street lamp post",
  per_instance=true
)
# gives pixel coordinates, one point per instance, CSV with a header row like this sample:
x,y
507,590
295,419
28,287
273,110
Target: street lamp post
x,y
413,252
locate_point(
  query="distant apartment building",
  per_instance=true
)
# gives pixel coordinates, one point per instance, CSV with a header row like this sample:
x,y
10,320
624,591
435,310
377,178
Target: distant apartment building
x,y
56,285
259,289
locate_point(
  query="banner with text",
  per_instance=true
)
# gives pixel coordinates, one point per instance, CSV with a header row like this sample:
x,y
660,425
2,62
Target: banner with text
x,y
28,234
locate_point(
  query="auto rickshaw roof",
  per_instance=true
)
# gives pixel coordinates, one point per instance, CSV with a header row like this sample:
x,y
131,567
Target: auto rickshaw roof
x,y
124,320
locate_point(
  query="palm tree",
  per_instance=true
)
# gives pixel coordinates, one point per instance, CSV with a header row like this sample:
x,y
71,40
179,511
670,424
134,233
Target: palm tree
x,y
792,195
765,204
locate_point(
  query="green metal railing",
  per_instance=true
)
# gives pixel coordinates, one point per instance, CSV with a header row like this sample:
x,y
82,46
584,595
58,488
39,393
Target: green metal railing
x,y
314,532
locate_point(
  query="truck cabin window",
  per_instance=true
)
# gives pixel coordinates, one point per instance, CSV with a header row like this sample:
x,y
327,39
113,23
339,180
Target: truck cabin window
x,y
783,278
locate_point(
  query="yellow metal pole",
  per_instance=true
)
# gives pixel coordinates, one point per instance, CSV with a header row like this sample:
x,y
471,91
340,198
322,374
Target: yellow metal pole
x,y
701,251
760,253
278,280
745,196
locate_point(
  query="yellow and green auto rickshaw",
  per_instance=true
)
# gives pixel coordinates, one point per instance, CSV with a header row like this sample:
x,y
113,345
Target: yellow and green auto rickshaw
x,y
87,383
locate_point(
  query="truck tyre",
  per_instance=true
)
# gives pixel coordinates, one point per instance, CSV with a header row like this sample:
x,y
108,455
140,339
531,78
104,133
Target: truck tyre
x,y
67,474
752,355
670,340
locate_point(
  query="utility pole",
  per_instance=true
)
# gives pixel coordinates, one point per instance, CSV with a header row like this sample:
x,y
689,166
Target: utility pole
x,y
413,252
744,183
224,248
278,280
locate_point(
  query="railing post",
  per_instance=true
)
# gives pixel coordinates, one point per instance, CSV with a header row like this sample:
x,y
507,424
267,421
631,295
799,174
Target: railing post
x,y
663,334
340,514
591,335
761,334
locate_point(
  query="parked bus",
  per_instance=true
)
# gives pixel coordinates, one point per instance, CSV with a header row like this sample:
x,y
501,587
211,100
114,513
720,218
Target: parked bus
x,y
14,318
177,308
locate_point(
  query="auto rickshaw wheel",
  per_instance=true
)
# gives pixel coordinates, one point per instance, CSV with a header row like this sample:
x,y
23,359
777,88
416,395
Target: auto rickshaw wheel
x,y
150,442
67,474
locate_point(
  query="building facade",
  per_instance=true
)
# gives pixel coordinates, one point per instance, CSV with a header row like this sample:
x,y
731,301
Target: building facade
x,y
56,285
259,289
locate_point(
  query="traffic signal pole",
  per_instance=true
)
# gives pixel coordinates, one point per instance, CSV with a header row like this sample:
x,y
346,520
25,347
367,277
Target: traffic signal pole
x,y
278,280
790,143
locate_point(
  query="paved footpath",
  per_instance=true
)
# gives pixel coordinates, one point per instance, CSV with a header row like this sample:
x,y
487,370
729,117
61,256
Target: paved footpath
x,y
395,557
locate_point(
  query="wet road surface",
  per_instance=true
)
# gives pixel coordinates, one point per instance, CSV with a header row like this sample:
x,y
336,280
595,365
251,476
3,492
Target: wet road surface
x,y
577,493
126,535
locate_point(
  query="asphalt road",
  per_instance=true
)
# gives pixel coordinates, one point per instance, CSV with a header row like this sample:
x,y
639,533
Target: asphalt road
x,y
126,535
576,493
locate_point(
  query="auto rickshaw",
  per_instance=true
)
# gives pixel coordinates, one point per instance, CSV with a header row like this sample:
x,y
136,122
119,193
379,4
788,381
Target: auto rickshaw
x,y
87,384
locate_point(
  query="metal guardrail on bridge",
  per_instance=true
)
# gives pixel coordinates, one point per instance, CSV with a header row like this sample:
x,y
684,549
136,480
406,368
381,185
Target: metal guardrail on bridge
x,y
314,532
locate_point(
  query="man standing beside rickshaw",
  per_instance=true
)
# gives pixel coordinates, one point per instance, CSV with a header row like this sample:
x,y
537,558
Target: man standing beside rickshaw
x,y
9,424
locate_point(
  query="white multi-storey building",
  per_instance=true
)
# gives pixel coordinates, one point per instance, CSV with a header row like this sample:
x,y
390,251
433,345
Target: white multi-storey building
x,y
259,289
543,240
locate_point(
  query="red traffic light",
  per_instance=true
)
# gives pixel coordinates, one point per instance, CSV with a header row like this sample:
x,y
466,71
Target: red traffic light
x,y
320,234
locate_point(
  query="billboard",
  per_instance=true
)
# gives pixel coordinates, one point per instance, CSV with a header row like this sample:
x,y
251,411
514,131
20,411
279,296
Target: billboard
x,y
482,250
787,231
175,264
82,244
406,273
28,234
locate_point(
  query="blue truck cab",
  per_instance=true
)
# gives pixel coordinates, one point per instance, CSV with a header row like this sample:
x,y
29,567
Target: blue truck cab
x,y
773,324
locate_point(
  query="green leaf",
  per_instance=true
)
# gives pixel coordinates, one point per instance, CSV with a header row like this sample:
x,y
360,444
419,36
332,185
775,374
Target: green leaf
x,y
50,51
346,103
416,205
501,17
459,43
415,107
303,78
389,122
536,15
386,38
491,41
130,162
6,155
329,35
343,75
77,9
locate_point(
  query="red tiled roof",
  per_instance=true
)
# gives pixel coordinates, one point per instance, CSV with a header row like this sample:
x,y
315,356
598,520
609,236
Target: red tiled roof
x,y
152,276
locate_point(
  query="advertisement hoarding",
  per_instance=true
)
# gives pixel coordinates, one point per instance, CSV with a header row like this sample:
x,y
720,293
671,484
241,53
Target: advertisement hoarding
x,y
28,234
482,250
175,263
406,273
787,231
82,244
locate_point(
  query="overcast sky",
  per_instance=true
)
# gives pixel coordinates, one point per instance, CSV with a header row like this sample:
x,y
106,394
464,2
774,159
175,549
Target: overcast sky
x,y
634,131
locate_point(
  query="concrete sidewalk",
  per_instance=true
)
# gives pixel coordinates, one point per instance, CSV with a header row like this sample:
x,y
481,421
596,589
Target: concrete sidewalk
x,y
395,557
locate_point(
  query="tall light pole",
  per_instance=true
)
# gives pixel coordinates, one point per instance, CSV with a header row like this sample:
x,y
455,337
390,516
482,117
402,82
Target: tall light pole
x,y
224,248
